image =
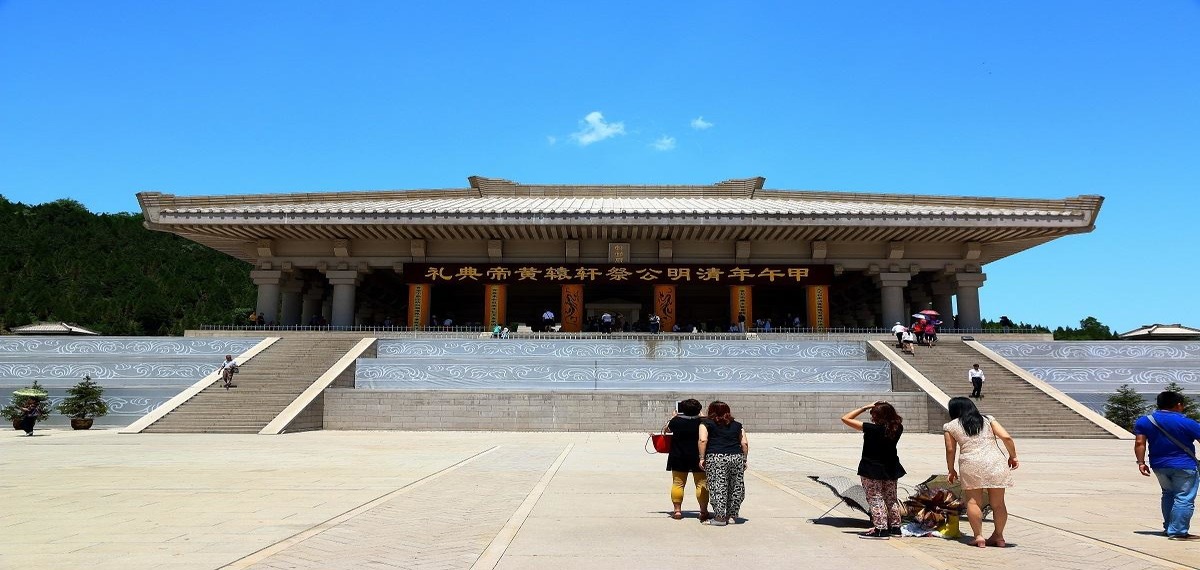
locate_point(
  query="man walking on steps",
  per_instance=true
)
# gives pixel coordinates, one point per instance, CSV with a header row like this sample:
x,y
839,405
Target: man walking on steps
x,y
1171,436
975,375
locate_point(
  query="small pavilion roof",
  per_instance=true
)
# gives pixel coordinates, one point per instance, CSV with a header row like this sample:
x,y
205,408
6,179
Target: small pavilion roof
x,y
1160,332
47,328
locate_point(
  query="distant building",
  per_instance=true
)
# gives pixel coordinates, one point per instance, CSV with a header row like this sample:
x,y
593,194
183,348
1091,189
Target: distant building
x,y
500,252
1162,332
53,329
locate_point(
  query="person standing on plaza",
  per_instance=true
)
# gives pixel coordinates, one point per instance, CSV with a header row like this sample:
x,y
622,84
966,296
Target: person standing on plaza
x,y
723,452
684,456
879,468
741,321
548,321
655,324
976,377
29,415
606,323
1170,436
975,439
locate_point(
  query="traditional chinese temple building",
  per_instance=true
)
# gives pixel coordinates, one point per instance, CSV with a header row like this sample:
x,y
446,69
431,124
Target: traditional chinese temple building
x,y
500,252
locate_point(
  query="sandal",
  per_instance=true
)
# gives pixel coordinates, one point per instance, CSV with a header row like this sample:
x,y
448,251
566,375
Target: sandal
x,y
705,516
677,515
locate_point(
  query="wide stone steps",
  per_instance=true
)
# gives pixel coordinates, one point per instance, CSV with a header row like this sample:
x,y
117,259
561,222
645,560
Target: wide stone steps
x,y
265,386
1020,407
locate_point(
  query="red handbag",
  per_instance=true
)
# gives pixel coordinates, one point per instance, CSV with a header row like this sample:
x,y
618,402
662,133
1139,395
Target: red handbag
x,y
660,441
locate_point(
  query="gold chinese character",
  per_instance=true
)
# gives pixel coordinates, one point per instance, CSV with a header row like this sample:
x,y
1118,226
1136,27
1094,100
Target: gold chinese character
x,y
437,273
798,273
709,273
740,274
618,274
558,273
587,273
649,274
530,273
677,274
770,274
465,273
498,273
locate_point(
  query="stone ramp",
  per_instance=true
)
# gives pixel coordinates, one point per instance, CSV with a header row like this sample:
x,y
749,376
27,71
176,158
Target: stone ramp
x,y
1024,410
265,386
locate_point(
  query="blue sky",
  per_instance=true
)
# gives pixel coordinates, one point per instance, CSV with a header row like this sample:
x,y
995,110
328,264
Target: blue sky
x,y
100,100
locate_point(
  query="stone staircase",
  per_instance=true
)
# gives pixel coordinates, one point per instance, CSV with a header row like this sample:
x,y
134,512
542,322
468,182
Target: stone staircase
x,y
265,386
1020,407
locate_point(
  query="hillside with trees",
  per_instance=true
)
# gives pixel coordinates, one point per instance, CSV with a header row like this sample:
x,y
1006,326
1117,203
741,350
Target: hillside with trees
x,y
106,272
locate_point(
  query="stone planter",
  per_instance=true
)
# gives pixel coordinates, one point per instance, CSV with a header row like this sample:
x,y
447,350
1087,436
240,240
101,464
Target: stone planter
x,y
82,423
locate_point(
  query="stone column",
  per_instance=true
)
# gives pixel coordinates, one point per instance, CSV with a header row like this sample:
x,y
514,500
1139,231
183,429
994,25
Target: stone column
x,y
312,304
968,299
891,286
943,301
268,292
345,284
919,300
290,314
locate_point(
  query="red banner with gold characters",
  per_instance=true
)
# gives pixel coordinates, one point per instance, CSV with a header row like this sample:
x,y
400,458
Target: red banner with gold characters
x,y
572,308
818,306
418,305
664,306
741,302
596,273
495,305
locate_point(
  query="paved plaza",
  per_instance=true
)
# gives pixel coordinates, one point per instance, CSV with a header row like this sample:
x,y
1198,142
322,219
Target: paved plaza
x,y
367,500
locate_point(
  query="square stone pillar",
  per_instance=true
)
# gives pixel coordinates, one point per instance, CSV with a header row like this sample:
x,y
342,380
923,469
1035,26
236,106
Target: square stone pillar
x,y
268,282
943,300
968,299
571,308
345,285
891,288
664,306
292,289
311,305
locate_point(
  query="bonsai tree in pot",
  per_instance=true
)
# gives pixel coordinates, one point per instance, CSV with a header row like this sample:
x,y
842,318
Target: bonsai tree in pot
x,y
83,403
15,410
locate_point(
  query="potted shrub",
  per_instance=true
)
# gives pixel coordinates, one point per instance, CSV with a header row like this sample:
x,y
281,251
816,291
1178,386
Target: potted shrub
x,y
14,411
83,403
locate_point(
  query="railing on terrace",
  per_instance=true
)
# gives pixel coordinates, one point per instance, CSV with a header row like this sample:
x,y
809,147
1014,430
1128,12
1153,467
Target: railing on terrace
x,y
783,333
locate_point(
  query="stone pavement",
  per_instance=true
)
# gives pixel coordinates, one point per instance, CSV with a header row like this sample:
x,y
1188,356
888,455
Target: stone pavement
x,y
524,501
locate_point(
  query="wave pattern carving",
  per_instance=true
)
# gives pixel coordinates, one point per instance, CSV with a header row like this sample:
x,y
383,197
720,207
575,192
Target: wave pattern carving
x,y
1163,350
633,376
1102,367
158,346
652,349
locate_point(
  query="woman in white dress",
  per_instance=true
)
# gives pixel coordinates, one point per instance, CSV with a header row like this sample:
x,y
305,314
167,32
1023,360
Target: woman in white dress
x,y
975,439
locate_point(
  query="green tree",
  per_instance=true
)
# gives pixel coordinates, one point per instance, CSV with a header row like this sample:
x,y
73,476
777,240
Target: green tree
x,y
1090,328
107,272
16,404
1125,406
1189,405
84,400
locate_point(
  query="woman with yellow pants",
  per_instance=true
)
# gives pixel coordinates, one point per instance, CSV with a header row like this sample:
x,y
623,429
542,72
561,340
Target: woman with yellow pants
x,y
684,457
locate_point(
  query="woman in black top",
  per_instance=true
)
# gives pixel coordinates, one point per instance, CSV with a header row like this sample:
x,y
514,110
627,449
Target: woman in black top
x,y
684,457
880,466
723,451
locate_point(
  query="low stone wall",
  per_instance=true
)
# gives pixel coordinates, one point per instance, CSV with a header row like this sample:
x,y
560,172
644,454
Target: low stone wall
x,y
444,410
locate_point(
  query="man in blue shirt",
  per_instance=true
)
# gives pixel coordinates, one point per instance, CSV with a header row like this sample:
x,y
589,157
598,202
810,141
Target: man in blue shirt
x,y
1174,464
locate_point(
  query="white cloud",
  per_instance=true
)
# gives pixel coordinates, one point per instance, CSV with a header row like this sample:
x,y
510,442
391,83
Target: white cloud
x,y
700,124
664,143
551,140
594,129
